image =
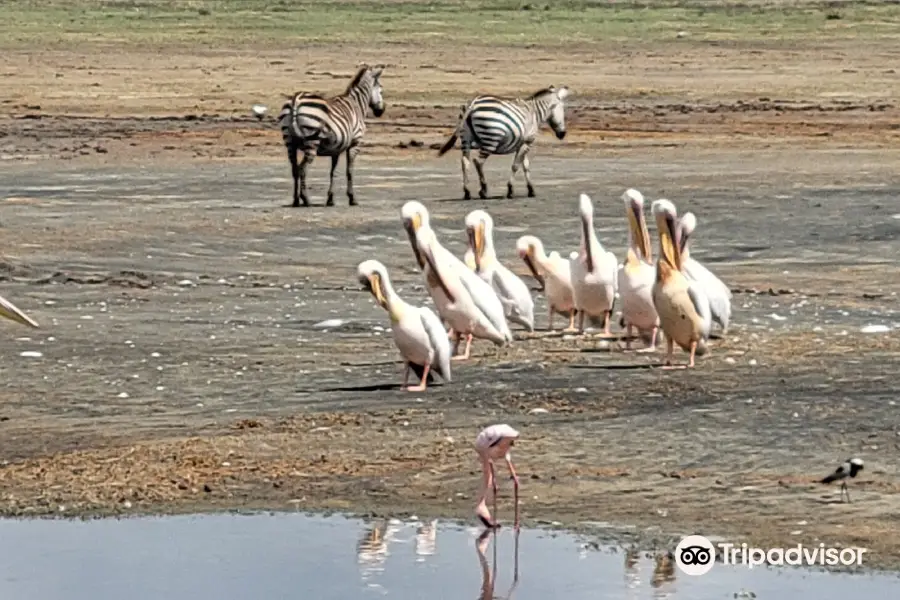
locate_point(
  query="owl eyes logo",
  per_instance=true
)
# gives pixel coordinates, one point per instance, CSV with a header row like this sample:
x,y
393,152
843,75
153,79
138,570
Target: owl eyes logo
x,y
695,555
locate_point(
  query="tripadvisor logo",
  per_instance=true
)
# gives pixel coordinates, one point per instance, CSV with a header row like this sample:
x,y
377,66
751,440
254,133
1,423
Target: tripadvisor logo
x,y
696,555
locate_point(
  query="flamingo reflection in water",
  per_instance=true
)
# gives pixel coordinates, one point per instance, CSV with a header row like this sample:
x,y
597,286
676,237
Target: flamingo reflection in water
x,y
489,575
372,549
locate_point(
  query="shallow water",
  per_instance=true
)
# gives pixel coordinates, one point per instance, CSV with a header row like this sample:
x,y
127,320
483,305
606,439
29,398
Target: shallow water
x,y
331,558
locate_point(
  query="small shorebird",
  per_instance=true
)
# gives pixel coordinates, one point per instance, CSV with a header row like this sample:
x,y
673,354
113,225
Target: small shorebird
x,y
259,111
850,468
494,443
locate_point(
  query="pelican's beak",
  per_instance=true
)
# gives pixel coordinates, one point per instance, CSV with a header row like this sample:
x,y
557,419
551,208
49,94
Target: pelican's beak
x,y
638,230
668,240
411,226
478,244
429,258
682,239
11,311
586,232
473,245
376,288
529,262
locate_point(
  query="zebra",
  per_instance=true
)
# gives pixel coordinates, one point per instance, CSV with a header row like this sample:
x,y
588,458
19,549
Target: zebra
x,y
315,125
494,125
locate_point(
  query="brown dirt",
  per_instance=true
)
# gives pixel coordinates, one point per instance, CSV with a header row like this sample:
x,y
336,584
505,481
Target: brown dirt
x,y
128,176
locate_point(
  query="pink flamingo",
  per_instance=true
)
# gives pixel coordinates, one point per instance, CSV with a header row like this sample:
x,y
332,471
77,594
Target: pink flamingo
x,y
494,443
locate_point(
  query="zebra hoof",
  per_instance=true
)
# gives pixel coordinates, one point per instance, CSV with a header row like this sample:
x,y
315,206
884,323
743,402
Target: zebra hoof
x,y
467,195
330,201
353,201
531,193
483,194
509,191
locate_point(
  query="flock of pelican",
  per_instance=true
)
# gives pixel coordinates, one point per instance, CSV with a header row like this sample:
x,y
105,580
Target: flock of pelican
x,y
478,297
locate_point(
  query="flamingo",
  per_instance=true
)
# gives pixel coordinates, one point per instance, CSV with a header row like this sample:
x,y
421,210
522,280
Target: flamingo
x,y
494,443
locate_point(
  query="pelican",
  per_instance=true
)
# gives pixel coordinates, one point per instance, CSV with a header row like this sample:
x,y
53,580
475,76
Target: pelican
x,y
718,293
553,273
636,275
10,311
415,215
515,296
462,299
417,331
678,301
593,273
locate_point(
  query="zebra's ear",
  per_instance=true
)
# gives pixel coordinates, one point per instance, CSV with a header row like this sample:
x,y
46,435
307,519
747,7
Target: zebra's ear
x,y
377,70
563,92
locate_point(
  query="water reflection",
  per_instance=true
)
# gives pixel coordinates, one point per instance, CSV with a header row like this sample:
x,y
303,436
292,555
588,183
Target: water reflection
x,y
426,540
331,558
489,575
372,549
663,578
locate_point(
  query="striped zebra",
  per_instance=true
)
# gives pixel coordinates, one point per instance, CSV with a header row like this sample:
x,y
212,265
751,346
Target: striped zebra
x,y
495,125
314,125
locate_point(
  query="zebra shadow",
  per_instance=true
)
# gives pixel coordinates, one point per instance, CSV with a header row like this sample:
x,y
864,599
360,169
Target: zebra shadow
x,y
475,199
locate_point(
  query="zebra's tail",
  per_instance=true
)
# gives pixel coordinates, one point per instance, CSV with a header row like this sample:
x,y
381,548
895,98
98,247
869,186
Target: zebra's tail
x,y
448,145
451,141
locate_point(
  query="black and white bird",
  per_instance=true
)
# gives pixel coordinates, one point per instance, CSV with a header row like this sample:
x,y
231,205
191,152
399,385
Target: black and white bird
x,y
849,468
259,111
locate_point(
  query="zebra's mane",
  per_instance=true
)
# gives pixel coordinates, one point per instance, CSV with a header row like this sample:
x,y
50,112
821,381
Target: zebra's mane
x,y
357,79
541,92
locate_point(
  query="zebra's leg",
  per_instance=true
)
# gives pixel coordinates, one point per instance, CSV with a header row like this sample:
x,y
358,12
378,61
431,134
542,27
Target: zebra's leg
x,y
308,157
466,163
479,166
520,153
526,169
295,173
334,164
351,156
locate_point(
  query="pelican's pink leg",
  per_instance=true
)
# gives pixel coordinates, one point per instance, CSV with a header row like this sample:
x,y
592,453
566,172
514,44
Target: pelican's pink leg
x,y
455,345
652,346
422,384
571,327
465,355
515,478
628,337
670,353
607,319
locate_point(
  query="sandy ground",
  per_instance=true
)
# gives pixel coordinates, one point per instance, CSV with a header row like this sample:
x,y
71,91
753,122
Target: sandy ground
x,y
182,365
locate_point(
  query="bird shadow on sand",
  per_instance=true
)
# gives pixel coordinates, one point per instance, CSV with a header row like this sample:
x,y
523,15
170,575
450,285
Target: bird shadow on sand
x,y
369,387
617,367
474,198
311,205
